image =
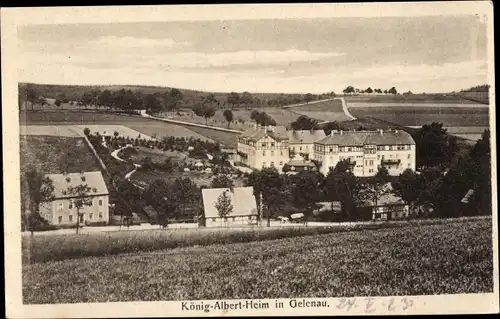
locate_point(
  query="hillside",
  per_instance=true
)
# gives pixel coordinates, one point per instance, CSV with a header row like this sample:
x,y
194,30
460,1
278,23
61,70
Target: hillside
x,y
189,97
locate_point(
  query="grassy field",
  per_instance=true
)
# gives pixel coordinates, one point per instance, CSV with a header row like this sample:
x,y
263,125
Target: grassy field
x,y
198,178
228,139
412,98
142,125
449,116
52,154
323,111
448,257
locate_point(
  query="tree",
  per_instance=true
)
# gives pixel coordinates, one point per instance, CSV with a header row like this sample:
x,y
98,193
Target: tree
x,y
37,190
434,145
330,126
409,187
81,198
392,90
159,196
233,99
174,99
228,115
246,98
305,192
308,97
349,90
341,185
223,205
208,112
57,102
116,134
105,98
374,188
369,90
304,123
222,181
268,184
385,92
86,131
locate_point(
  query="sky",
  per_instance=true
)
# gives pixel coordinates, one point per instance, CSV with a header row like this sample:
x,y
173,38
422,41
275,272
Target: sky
x,y
314,55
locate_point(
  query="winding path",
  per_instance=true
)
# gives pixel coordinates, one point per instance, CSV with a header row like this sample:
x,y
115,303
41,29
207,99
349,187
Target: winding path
x,y
114,154
344,108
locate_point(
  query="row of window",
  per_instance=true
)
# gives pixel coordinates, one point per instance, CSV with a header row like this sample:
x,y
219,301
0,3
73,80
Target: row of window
x,y
272,153
369,150
60,206
264,164
70,217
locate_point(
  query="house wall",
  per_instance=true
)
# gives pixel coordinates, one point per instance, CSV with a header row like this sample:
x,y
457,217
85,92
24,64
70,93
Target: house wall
x,y
303,148
367,160
231,221
391,212
58,212
266,152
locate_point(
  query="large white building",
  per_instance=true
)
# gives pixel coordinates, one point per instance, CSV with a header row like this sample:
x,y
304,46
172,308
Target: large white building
x,y
261,147
367,151
62,211
302,141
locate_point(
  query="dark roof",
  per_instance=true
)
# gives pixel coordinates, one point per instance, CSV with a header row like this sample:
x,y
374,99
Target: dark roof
x,y
255,134
359,138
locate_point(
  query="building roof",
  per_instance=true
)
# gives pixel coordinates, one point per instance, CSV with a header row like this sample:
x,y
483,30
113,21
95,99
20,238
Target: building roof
x,y
278,133
242,198
94,180
305,136
359,138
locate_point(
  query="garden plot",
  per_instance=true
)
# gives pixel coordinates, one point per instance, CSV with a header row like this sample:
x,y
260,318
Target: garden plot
x,y
110,129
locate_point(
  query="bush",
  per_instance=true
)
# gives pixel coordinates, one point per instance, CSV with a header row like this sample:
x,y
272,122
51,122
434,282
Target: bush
x,y
94,224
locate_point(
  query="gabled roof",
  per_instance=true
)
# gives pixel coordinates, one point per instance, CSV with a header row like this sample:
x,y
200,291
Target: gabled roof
x,y
305,136
278,133
94,180
242,199
360,138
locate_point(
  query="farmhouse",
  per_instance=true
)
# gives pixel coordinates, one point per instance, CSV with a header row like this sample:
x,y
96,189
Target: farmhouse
x,y
62,211
387,207
244,206
367,151
261,147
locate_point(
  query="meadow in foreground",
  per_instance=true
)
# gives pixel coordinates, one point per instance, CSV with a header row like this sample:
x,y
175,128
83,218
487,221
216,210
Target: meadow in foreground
x,y
442,258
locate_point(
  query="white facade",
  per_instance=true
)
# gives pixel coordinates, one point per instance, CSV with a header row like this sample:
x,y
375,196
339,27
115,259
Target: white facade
x,y
63,211
367,150
263,149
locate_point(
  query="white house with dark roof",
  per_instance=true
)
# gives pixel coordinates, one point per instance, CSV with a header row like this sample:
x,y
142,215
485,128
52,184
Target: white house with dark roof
x,y
62,211
367,150
244,207
261,147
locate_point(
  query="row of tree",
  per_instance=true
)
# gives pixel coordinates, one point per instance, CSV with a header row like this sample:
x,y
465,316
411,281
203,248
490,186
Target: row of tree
x,y
352,90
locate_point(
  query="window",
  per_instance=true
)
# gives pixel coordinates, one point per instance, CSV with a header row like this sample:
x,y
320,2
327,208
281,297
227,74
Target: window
x,y
301,148
281,153
272,144
378,157
371,162
263,153
249,217
100,202
263,144
59,219
70,204
331,150
281,163
91,202
234,218
307,148
100,215
349,149
409,155
213,219
272,153
409,165
370,171
225,219
263,164
366,163
70,217
91,216
387,147
60,206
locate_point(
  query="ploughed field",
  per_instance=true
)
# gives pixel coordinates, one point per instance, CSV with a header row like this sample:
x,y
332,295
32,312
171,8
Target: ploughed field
x,y
442,257
54,154
323,111
145,126
422,114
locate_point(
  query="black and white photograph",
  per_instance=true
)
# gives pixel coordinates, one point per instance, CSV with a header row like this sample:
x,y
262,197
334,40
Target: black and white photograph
x,y
285,159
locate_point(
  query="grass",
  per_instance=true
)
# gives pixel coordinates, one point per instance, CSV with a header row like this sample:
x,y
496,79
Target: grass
x,y
198,178
443,258
51,154
415,98
142,125
449,116
156,155
228,139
